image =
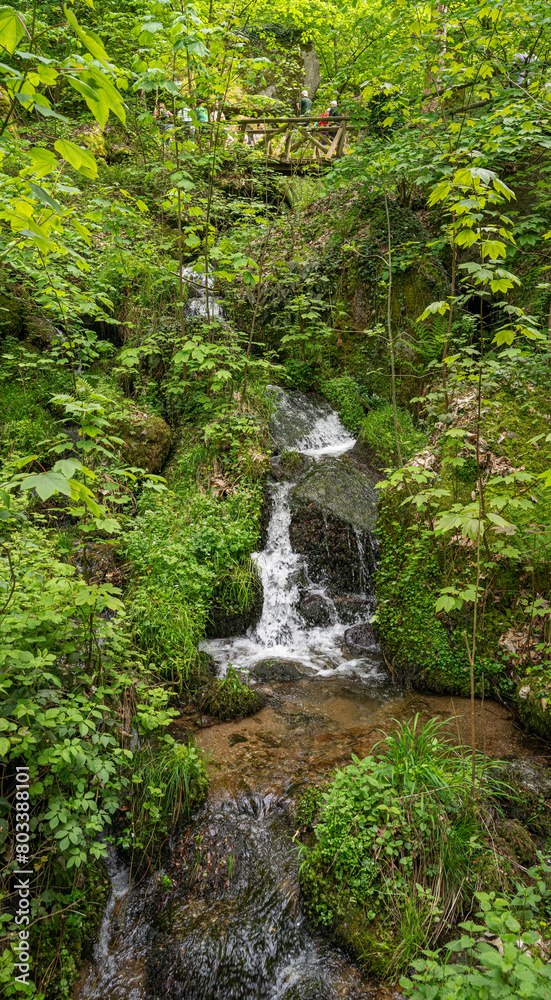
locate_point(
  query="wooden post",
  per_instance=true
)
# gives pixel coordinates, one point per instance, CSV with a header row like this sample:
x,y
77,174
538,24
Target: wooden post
x,y
341,142
334,144
286,157
243,129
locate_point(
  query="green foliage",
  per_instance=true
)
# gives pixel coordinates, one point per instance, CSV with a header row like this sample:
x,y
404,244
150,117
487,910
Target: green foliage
x,y
500,955
179,550
377,431
168,781
398,840
346,397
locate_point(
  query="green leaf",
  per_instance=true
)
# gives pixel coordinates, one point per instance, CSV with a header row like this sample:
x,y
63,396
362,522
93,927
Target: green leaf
x,y
79,158
46,199
43,161
90,40
47,484
11,29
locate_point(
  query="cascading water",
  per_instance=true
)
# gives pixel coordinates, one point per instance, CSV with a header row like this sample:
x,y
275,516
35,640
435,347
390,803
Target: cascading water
x,y
205,932
311,429
201,301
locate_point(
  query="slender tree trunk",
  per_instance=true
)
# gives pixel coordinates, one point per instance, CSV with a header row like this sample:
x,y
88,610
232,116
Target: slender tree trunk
x,y
390,331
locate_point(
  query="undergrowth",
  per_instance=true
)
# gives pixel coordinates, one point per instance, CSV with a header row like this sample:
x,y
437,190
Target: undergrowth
x,y
399,849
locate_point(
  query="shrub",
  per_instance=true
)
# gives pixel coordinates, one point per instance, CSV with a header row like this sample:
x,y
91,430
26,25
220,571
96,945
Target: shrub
x,y
378,432
503,950
396,854
344,394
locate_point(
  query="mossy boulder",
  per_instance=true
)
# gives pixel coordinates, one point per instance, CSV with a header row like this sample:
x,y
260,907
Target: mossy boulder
x,y
233,614
276,669
11,313
333,515
516,842
534,704
147,438
530,802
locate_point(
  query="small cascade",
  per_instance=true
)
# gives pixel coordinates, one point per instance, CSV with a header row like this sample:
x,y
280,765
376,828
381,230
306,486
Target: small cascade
x,y
278,566
313,429
119,876
201,301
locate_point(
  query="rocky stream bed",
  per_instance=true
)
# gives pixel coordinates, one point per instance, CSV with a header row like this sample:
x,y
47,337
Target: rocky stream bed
x,y
222,918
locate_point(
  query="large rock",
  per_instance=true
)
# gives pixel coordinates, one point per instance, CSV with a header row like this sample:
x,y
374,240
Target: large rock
x,y
534,704
276,669
333,515
360,638
316,609
147,439
351,608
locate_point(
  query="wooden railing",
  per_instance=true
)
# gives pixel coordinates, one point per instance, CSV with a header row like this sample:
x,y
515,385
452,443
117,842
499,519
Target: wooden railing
x,y
281,137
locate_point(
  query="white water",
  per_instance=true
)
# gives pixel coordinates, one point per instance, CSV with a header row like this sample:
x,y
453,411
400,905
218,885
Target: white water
x,y
201,301
282,631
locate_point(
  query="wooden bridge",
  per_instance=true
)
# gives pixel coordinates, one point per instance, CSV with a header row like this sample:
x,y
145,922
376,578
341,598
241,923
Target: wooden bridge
x,y
282,138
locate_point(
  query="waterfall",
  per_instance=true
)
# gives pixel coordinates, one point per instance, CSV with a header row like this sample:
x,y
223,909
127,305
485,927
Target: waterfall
x,y
313,429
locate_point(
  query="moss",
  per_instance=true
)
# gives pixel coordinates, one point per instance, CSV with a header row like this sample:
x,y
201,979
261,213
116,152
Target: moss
x,y
308,806
147,439
534,704
11,312
377,432
229,698
517,842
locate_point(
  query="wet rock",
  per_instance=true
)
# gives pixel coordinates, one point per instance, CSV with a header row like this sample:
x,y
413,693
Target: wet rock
x,y
316,610
336,486
289,465
276,669
311,988
351,607
333,514
360,638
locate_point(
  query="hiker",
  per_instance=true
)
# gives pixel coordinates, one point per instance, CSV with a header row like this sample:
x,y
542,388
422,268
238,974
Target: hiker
x,y
164,115
333,113
201,114
322,123
305,105
184,117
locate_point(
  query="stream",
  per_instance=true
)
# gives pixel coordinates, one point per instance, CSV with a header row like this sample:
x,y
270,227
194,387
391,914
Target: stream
x,y
223,920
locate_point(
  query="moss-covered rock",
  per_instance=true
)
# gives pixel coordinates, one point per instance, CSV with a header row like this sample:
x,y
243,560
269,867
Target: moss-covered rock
x,y
11,312
147,438
229,697
531,801
333,515
534,704
230,616
276,669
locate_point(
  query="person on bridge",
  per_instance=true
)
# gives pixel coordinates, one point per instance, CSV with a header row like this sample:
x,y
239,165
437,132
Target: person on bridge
x,y
333,113
305,105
